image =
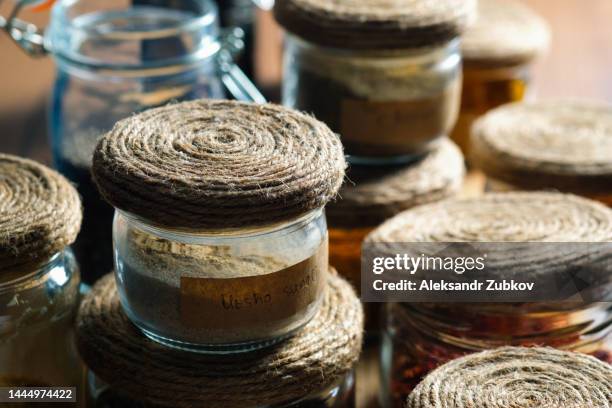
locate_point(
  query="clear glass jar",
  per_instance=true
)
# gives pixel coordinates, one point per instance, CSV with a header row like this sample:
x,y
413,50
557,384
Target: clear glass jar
x,y
387,106
420,337
340,395
38,304
485,88
220,291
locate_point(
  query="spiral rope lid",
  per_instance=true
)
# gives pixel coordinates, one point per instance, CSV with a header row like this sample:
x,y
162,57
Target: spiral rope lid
x,y
514,377
506,32
373,194
316,357
566,145
40,212
219,164
375,24
502,217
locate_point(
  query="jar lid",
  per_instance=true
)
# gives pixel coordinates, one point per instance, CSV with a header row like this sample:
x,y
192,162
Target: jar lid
x,y
519,378
375,24
316,357
40,212
502,217
506,32
373,194
566,145
219,164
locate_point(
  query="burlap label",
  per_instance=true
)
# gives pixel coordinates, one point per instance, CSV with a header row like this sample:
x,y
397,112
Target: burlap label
x,y
250,301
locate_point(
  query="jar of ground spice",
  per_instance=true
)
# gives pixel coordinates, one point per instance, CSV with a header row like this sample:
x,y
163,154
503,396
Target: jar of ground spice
x,y
498,53
519,378
40,215
220,237
372,194
564,145
421,336
313,368
386,76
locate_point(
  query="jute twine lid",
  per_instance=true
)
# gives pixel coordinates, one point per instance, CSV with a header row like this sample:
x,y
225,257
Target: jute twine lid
x,y
219,164
565,145
375,24
40,212
374,193
514,377
502,217
318,356
506,32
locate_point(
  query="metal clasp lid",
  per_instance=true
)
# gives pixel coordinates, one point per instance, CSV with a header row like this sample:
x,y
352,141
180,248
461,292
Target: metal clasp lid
x,y
26,35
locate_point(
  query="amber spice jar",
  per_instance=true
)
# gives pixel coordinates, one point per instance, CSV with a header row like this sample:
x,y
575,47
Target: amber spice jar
x,y
498,54
564,145
421,336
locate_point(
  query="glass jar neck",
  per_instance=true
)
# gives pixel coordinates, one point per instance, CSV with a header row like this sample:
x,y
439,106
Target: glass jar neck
x,y
30,275
219,236
134,38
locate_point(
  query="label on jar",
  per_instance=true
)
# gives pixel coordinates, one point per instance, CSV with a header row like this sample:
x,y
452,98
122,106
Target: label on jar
x,y
218,303
395,127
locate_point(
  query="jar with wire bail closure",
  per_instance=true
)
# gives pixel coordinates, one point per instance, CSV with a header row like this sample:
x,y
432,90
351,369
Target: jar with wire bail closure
x,y
220,237
386,77
40,216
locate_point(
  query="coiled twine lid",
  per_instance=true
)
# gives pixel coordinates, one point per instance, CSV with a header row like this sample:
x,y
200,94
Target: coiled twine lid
x,y
502,217
375,24
518,378
318,356
40,212
565,145
373,194
505,33
219,164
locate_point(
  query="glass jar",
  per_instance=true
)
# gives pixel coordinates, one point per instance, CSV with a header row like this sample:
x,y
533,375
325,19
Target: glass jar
x,y
220,291
340,395
38,304
420,337
115,58
387,105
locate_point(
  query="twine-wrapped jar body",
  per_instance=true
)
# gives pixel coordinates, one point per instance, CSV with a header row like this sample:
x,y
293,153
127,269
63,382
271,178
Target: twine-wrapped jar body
x,y
339,395
106,72
221,291
388,106
487,87
39,302
421,337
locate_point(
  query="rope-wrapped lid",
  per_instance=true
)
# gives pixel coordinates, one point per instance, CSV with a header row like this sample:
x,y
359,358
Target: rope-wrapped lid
x,y
373,194
318,356
518,378
375,24
219,164
505,33
565,145
40,212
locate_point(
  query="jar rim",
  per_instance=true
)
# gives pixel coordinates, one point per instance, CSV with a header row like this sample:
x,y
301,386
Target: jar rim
x,y
37,269
216,236
67,33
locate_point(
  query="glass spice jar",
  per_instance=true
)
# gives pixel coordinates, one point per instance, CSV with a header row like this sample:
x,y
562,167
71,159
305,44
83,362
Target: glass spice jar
x,y
39,278
420,336
385,77
498,52
225,249
115,58
556,144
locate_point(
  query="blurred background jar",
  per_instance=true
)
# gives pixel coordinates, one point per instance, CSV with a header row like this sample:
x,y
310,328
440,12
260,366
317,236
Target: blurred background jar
x,y
115,58
39,279
387,79
498,51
